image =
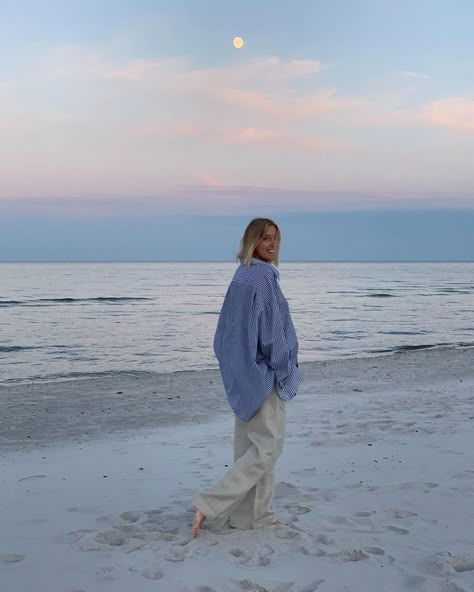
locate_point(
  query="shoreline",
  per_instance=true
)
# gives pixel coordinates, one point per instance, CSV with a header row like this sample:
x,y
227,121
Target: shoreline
x,y
365,355
354,355
86,409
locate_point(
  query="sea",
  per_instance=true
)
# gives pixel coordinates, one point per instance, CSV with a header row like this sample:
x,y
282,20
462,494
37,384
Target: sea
x,y
60,321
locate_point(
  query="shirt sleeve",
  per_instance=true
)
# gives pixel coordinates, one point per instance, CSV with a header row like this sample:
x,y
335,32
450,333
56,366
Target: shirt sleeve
x,y
273,345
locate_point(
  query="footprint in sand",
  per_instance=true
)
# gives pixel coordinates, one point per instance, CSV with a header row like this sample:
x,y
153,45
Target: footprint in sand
x,y
131,516
311,587
241,556
285,490
297,510
313,553
132,530
464,563
397,530
353,485
151,515
324,539
436,566
430,486
399,514
350,555
152,573
261,558
113,538
175,555
286,533
85,510
11,557
375,551
427,485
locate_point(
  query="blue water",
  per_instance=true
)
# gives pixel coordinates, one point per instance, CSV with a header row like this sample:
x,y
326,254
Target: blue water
x,y
64,320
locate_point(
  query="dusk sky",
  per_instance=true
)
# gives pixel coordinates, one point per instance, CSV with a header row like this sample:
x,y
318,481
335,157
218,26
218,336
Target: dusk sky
x,y
136,130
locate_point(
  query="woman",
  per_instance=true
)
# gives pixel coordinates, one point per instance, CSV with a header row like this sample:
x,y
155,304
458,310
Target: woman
x,y
257,348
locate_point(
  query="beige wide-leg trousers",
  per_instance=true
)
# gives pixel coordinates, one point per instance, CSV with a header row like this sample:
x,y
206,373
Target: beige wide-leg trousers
x,y
244,493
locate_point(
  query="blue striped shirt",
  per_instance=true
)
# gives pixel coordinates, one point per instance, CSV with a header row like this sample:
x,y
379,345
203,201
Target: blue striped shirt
x,y
255,341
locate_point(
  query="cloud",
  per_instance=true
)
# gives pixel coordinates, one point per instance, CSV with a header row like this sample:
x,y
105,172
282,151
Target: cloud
x,y
262,84
410,74
74,61
281,138
262,71
262,88
88,122
209,180
288,104
455,113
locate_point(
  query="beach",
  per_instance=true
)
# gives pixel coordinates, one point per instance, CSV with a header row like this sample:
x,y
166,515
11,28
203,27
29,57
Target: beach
x,y
375,487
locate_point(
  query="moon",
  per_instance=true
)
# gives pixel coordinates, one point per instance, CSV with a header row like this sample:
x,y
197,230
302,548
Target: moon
x,y
238,42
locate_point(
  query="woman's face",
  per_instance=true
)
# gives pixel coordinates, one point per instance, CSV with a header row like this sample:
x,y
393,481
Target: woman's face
x,y
266,248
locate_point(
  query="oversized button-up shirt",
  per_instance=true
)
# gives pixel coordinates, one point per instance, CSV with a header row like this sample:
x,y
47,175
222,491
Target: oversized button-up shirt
x,y
255,341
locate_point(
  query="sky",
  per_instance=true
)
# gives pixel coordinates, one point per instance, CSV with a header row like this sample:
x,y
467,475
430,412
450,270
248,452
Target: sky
x,y
136,130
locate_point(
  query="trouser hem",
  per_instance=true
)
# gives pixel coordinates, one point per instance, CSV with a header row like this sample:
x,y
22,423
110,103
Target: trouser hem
x,y
203,507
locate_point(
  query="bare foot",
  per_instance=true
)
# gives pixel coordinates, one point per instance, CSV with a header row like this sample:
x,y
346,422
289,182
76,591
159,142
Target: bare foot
x,y
198,520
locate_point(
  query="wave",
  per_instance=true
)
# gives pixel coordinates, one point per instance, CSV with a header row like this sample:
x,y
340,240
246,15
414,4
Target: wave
x,y
43,301
340,332
408,348
97,299
76,376
454,291
6,349
404,332
358,294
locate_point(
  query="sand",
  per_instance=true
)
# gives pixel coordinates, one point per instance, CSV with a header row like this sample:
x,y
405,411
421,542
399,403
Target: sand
x,y
375,487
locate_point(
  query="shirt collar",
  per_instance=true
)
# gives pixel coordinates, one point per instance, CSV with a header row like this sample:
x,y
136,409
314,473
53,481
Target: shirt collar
x,y
272,267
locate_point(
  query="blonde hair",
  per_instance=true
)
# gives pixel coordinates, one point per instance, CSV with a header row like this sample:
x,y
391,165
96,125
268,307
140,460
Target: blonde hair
x,y
252,237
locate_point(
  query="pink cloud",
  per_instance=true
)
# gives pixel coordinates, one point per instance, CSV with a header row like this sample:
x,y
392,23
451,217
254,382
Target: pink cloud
x,y
455,113
72,60
287,105
283,139
247,135
134,70
263,86
247,99
208,180
260,72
